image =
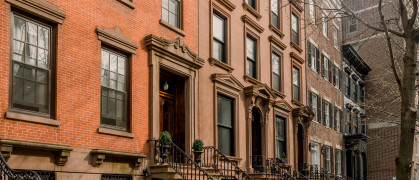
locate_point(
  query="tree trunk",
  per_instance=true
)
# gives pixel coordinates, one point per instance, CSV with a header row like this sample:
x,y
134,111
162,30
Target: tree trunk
x,y
408,111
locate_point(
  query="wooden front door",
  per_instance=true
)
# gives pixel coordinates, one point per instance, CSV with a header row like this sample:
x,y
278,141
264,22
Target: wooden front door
x,y
172,107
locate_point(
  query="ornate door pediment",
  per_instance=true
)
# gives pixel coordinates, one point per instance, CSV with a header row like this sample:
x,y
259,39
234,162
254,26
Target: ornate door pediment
x,y
261,97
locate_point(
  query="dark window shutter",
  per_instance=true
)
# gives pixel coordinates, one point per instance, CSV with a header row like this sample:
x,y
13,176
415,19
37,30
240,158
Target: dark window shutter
x,y
342,162
331,160
310,101
334,75
331,115
340,80
330,70
309,53
336,163
342,123
323,70
324,149
324,111
334,117
317,60
319,110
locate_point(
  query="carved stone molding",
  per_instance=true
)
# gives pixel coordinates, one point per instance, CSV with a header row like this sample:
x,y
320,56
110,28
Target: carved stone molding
x,y
297,57
62,152
227,4
227,80
99,155
40,8
296,47
247,20
174,48
261,97
214,62
277,42
252,11
277,31
302,115
115,38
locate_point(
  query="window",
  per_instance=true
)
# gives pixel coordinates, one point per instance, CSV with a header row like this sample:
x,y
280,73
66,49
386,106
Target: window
x,y
251,56
116,177
32,66
296,83
335,38
114,89
348,124
314,103
280,137
355,46
347,85
170,12
313,55
312,11
328,159
251,3
326,71
219,37
354,90
338,162
326,112
275,13
336,81
315,153
295,29
324,23
362,93
353,25
225,116
337,119
276,72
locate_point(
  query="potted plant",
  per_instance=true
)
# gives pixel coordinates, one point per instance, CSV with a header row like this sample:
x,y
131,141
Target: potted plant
x,y
284,158
197,148
304,170
164,143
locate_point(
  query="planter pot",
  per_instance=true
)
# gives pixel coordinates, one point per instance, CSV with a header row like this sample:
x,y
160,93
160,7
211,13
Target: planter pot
x,y
164,152
197,156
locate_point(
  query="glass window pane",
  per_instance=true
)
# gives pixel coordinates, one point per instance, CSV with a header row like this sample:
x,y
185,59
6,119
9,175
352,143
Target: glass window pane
x,y
121,86
19,29
43,37
250,48
111,106
120,96
251,69
218,27
276,64
111,94
274,7
294,23
105,78
30,55
18,47
105,60
112,84
17,89
119,108
104,104
41,76
172,19
18,70
41,94
296,76
165,4
225,143
218,51
275,21
32,33
276,82
42,58
29,91
113,76
172,6
225,111
113,63
165,15
29,74
121,65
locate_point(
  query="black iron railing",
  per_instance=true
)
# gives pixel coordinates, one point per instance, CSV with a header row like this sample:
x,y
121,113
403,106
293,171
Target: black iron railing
x,y
222,165
275,168
7,173
182,163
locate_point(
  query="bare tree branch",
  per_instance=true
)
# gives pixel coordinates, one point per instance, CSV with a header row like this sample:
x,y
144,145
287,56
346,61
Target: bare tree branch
x,y
414,15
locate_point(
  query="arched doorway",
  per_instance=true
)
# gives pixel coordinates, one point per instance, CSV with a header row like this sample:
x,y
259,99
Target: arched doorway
x,y
256,138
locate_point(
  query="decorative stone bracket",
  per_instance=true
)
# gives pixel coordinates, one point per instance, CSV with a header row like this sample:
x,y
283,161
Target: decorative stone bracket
x,y
99,155
62,152
262,97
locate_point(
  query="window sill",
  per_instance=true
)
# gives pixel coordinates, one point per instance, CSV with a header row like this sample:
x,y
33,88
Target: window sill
x,y
251,79
102,130
127,3
173,28
220,64
313,69
252,11
296,47
277,31
31,118
297,103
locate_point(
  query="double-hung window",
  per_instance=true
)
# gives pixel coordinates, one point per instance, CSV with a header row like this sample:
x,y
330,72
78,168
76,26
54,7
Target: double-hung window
x,y
313,102
225,116
114,90
354,90
31,66
326,68
251,57
337,119
335,37
296,83
295,33
324,23
347,85
352,25
362,93
276,72
326,116
312,11
275,13
328,159
313,56
251,3
348,125
170,12
336,77
219,37
338,162
315,154
280,137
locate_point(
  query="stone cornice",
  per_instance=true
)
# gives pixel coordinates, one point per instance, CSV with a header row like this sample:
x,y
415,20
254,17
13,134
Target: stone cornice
x,y
174,48
247,20
227,4
276,41
227,80
40,8
295,56
115,38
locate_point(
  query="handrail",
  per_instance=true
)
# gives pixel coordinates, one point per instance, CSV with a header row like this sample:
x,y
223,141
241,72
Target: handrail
x,y
212,157
182,163
274,169
7,171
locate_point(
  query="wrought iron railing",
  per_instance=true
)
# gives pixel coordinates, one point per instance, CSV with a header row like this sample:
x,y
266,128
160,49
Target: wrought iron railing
x,y
7,173
182,163
275,168
222,165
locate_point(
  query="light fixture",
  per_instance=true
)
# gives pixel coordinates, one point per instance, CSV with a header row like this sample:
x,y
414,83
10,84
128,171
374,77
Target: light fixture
x,y
166,86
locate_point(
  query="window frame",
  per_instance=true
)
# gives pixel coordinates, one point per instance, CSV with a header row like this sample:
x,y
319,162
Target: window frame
x,y
312,11
300,82
225,29
327,113
337,118
328,152
180,15
315,147
313,56
232,128
255,4
296,15
314,99
256,39
279,14
338,163
325,28
127,97
275,51
51,64
336,37
284,141
350,23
